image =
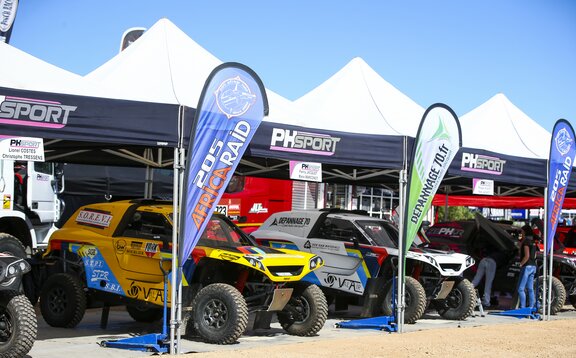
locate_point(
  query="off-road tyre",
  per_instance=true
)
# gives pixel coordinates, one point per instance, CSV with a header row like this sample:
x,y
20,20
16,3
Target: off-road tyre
x,y
220,314
460,302
62,300
18,325
306,311
558,295
12,246
140,313
414,298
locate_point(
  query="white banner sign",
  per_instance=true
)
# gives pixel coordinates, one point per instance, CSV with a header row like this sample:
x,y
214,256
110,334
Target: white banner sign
x,y
306,171
483,186
22,148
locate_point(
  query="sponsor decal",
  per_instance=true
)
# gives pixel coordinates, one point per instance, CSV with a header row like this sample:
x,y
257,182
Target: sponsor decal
x,y
446,231
228,257
306,171
22,148
258,208
563,141
344,283
436,144
7,15
288,221
88,251
234,97
221,209
231,107
99,275
92,218
6,201
324,246
34,112
120,246
430,180
146,293
286,140
214,173
135,248
151,249
482,164
560,162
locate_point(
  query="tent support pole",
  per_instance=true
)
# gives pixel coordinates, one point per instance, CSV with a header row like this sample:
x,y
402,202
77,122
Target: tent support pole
x,y
545,286
174,277
401,281
182,162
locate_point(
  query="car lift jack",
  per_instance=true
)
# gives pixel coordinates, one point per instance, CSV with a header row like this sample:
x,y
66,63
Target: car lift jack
x,y
153,342
527,312
383,323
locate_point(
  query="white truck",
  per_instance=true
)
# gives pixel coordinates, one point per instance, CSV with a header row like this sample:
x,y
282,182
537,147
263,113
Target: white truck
x,y
30,205
360,254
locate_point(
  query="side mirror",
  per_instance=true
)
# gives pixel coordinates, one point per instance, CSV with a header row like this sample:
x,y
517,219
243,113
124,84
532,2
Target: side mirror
x,y
354,241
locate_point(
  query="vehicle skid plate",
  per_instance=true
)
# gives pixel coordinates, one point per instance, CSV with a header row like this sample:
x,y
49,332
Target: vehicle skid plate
x,y
445,289
280,297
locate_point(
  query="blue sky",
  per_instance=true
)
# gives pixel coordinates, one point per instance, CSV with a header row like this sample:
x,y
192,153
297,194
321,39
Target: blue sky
x,y
457,52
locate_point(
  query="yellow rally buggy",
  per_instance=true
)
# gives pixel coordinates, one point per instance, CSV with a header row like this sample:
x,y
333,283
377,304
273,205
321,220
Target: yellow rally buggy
x,y
116,253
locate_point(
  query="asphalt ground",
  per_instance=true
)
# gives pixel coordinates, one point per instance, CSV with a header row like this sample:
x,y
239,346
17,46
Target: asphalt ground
x,y
84,340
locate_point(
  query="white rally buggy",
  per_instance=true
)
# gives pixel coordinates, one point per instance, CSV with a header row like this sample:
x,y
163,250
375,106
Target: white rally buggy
x,y
360,254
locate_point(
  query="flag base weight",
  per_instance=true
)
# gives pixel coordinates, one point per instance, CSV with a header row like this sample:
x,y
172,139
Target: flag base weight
x,y
383,323
519,313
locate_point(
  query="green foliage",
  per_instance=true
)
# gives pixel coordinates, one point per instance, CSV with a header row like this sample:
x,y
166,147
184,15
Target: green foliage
x,y
455,213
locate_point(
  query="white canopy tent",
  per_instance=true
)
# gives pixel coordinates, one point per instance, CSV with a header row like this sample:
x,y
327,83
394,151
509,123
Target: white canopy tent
x,y
499,126
166,66
356,99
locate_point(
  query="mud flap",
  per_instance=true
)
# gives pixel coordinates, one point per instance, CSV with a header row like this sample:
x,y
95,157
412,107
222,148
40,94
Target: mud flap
x,y
373,288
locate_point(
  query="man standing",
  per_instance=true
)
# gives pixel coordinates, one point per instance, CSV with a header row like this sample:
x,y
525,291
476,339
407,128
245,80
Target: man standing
x,y
487,267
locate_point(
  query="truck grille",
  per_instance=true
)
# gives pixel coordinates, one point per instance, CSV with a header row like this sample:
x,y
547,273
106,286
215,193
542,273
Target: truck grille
x,y
285,270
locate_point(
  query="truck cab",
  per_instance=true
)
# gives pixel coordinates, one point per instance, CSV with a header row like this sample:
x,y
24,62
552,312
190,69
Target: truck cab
x,y
30,202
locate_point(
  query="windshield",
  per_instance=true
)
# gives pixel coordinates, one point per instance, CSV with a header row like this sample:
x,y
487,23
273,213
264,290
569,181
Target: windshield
x,y
220,233
381,233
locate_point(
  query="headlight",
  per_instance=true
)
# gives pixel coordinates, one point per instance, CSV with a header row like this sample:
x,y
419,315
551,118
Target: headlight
x,y
470,261
572,263
315,262
256,263
15,268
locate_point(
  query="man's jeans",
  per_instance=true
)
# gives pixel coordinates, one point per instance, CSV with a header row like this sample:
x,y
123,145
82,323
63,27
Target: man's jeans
x,y
487,266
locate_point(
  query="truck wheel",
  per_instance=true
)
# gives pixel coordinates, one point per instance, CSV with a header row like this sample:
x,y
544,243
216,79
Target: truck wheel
x,y
414,297
140,313
62,300
220,314
460,302
305,313
12,246
18,326
558,294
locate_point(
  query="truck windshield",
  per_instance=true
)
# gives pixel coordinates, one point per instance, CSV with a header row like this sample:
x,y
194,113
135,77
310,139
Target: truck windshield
x,y
381,233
